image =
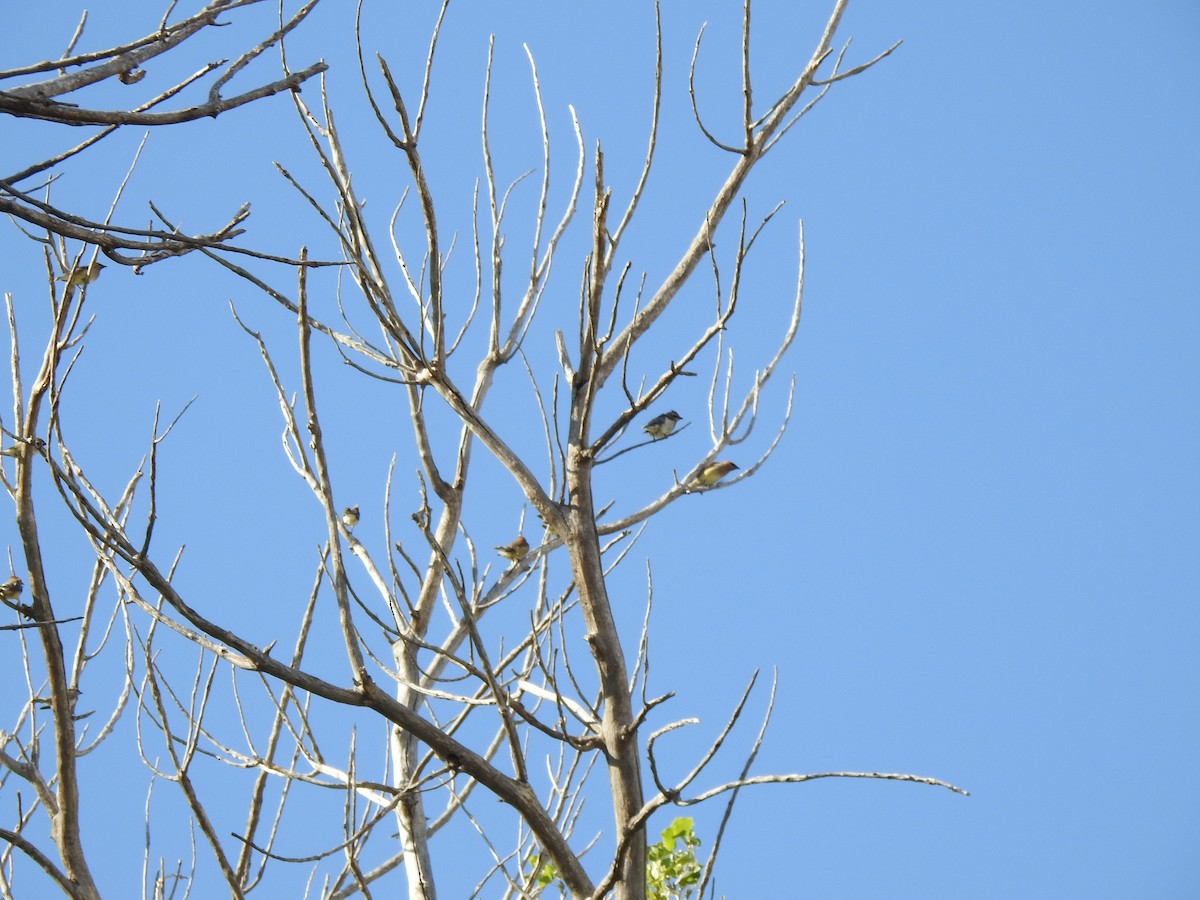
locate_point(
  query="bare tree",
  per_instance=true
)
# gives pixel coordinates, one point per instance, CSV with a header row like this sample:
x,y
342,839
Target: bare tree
x,y
469,697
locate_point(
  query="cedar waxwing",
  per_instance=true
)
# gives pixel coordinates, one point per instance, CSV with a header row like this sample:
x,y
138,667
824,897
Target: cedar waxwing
x,y
350,517
79,276
12,588
516,550
660,426
713,472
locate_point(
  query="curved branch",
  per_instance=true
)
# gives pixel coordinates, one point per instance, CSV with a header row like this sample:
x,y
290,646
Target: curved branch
x,y
692,95
49,111
43,862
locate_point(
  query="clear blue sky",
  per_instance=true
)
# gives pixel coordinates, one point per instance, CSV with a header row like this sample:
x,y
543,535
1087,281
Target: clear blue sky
x,y
974,555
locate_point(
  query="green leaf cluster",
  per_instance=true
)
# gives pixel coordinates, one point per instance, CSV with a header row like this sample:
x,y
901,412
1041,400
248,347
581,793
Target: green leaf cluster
x,y
672,871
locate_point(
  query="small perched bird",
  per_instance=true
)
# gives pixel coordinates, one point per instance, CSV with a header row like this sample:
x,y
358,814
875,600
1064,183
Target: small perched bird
x,y
714,472
12,588
350,517
79,277
662,425
516,550
17,449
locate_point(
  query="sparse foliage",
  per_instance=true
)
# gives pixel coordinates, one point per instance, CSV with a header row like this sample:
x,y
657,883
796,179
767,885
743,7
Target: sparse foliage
x,y
465,698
